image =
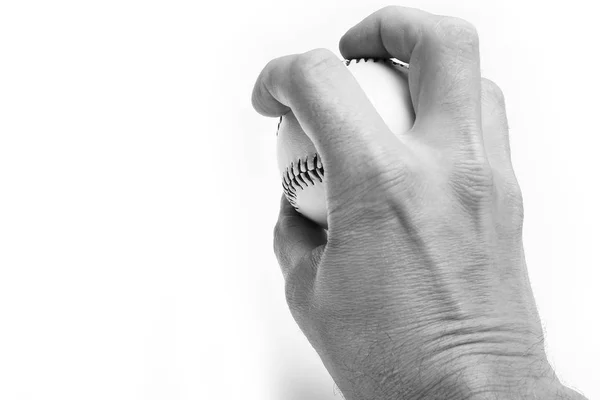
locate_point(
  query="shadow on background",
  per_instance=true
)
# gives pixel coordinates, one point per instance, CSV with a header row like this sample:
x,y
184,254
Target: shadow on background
x,y
303,381
309,390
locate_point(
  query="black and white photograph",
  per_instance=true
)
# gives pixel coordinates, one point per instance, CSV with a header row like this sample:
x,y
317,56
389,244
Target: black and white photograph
x,y
299,200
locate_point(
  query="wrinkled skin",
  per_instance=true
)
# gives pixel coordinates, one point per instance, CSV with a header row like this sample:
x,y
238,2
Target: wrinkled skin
x,y
419,288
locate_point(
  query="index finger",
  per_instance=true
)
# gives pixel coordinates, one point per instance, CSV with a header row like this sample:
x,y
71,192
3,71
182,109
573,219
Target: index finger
x,y
332,110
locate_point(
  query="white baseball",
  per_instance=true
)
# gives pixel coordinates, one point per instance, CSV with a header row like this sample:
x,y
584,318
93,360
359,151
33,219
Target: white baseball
x,y
385,82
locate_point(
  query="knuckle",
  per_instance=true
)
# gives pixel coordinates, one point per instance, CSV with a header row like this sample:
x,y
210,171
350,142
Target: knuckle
x,y
492,92
455,31
310,65
472,179
398,175
514,195
385,177
390,9
512,198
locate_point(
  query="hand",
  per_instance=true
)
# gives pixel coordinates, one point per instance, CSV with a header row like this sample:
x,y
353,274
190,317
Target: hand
x,y
419,289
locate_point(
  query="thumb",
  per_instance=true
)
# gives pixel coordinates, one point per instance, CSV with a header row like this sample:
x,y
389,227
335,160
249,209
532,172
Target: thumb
x,y
298,243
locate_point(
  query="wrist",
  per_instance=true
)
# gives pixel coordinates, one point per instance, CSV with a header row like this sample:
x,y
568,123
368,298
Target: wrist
x,y
499,379
488,378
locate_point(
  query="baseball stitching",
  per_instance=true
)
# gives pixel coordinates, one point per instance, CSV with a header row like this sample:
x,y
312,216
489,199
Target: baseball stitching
x,y
304,172
300,175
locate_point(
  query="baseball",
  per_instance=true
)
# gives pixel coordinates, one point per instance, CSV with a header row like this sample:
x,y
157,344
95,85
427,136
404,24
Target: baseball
x,y
385,82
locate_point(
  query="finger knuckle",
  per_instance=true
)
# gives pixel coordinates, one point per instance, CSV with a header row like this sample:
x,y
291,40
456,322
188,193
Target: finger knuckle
x,y
512,198
492,91
309,66
454,31
514,195
472,179
398,175
390,9
385,177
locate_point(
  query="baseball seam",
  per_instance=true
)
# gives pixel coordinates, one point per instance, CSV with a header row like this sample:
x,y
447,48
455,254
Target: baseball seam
x,y
300,174
305,172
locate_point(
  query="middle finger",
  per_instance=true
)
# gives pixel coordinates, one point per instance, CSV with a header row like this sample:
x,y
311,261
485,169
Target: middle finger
x,y
444,74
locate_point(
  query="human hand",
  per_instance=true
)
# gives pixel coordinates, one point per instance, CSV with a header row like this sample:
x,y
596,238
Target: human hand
x,y
419,289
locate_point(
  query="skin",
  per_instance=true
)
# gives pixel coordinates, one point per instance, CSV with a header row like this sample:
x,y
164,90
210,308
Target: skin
x,y
419,289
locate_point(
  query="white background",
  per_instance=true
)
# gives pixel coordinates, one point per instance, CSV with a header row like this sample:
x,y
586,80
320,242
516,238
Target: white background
x,y
139,190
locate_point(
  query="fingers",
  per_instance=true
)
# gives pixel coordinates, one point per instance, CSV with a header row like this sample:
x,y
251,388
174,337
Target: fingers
x,y
332,109
392,31
298,244
296,238
444,75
